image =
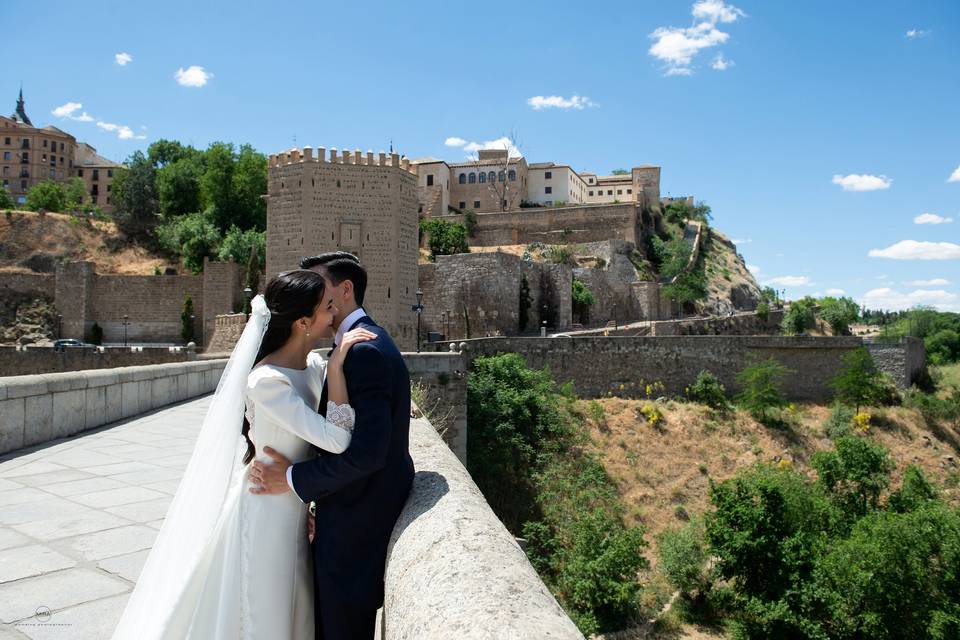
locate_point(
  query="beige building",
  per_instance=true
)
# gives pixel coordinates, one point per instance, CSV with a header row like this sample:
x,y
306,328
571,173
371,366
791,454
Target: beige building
x,y
31,155
480,185
354,202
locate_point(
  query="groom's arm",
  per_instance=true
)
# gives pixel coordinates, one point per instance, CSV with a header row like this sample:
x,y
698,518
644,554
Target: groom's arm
x,y
369,388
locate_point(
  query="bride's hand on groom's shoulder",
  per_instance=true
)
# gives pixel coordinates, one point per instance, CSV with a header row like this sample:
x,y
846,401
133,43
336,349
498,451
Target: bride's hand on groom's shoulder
x,y
350,338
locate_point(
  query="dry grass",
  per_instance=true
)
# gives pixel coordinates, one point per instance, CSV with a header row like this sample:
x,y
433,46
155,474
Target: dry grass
x,y
25,234
663,473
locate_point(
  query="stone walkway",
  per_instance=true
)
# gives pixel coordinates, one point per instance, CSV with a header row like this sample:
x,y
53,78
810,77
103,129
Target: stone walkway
x,y
78,517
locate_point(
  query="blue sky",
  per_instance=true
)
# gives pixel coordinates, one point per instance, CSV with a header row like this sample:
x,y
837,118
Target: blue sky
x,y
817,131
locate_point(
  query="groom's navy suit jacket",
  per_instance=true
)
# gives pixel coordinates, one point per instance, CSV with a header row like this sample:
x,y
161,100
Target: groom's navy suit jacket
x,y
359,493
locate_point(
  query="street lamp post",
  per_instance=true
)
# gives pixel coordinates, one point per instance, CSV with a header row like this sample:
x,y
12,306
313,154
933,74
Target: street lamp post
x,y
59,326
419,309
248,294
125,323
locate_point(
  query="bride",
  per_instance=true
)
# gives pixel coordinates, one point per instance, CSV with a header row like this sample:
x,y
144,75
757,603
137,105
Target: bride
x,y
229,564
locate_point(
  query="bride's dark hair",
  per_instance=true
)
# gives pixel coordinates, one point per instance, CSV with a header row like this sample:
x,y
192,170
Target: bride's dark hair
x,y
290,295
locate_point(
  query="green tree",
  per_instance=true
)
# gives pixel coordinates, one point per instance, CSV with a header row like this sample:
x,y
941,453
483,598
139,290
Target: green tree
x,y
239,245
74,194
761,384
445,238
249,185
193,237
516,422
619,172
943,346
683,558
135,194
165,152
915,492
178,185
799,316
859,381
839,313
6,200
854,474
216,185
186,320
707,389
582,299
46,196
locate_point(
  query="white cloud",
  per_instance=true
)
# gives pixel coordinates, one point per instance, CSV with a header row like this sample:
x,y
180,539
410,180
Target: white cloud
x,y
955,176
714,11
936,282
743,241
677,47
892,300
721,64
917,33
192,76
540,103
914,250
836,292
790,281
866,182
454,142
123,132
500,143
123,58
754,269
931,218
69,110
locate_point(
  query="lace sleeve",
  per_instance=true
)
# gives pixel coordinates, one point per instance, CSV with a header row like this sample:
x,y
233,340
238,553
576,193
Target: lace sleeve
x,y
341,415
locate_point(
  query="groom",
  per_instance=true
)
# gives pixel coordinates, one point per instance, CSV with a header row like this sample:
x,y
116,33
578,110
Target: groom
x,y
359,493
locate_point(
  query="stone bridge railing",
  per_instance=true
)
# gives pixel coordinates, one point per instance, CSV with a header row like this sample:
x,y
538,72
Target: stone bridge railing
x,y
453,569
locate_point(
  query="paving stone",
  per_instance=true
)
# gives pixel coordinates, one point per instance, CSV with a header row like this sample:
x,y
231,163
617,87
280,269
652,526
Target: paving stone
x,y
31,468
41,479
120,467
10,538
126,566
52,507
143,511
8,484
71,525
86,485
144,478
58,590
32,560
11,497
79,458
112,542
167,486
116,497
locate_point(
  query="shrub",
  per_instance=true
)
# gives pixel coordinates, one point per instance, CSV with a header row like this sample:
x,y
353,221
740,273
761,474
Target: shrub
x,y
46,196
192,237
708,390
186,320
839,313
6,200
799,316
840,421
763,311
762,384
854,474
582,299
445,238
683,558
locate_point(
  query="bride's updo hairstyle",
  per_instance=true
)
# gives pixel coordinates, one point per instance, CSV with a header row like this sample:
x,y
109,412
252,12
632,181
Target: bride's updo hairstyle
x,y
290,295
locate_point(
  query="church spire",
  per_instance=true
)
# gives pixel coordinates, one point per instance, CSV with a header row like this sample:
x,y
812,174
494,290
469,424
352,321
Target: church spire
x,y
20,114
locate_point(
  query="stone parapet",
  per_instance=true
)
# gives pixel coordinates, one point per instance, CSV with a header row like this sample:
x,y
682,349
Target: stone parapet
x,y
453,569
39,408
35,359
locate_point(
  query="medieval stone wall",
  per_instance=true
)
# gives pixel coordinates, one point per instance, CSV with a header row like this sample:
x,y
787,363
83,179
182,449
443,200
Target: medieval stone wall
x,y
599,366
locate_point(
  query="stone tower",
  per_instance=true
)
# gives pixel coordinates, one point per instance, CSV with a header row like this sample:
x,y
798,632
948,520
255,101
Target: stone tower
x,y
354,202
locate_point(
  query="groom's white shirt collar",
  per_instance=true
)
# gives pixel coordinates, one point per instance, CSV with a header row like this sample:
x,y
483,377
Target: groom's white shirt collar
x,y
348,322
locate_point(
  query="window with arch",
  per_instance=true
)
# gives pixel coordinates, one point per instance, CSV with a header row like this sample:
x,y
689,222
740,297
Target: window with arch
x,y
500,176
512,175
492,177
472,179
483,177
463,178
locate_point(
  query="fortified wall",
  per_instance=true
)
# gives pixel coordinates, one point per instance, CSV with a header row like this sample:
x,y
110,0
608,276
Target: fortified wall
x,y
152,304
354,202
620,366
478,294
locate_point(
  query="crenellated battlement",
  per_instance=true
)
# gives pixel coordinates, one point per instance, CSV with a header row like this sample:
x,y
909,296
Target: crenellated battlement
x,y
338,156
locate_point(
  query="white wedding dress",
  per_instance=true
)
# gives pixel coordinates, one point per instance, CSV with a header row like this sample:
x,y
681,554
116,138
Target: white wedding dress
x,y
253,578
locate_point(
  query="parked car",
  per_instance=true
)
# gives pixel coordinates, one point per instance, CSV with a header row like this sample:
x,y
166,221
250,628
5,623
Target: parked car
x,y
63,343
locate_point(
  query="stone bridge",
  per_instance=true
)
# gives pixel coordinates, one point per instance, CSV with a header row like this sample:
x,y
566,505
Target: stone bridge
x,y
90,460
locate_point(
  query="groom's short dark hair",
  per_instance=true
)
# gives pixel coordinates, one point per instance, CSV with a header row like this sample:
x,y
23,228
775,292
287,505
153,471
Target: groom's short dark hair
x,y
339,266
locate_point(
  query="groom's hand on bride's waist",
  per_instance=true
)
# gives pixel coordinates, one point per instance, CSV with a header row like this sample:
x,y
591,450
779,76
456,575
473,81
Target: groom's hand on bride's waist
x,y
269,478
